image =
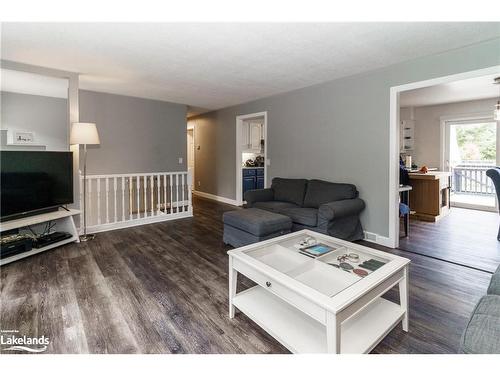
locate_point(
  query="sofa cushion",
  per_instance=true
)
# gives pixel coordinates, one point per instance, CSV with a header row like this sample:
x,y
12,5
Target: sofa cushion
x,y
274,206
257,222
320,192
302,215
290,190
482,334
494,287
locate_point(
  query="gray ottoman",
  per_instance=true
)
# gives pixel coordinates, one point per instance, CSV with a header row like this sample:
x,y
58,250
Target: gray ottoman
x,y
250,225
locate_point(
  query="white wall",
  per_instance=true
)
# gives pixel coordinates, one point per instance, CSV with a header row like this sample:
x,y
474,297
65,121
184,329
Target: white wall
x,y
427,126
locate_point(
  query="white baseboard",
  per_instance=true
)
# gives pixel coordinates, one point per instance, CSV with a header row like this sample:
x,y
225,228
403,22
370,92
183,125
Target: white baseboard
x,y
215,197
134,223
378,239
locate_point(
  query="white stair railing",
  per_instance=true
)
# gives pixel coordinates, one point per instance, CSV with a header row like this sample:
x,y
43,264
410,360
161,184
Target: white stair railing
x,y
123,200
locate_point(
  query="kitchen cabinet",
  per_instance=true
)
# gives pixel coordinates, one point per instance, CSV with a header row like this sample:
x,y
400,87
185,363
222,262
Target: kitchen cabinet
x,y
259,184
255,135
253,178
252,133
245,135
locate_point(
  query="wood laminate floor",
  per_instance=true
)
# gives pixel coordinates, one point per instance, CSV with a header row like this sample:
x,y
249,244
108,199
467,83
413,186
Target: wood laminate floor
x,y
467,237
162,288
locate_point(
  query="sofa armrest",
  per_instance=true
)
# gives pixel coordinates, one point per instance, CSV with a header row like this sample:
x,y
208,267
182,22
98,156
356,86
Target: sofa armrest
x,y
494,287
259,195
342,208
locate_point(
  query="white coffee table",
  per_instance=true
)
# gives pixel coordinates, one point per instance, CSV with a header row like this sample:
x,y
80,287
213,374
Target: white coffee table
x,y
310,306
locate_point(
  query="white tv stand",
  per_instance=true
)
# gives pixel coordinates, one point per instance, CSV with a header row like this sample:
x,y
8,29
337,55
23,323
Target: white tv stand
x,y
63,223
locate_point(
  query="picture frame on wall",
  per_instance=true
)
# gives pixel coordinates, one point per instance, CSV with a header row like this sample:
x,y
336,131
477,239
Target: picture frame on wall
x,y
20,137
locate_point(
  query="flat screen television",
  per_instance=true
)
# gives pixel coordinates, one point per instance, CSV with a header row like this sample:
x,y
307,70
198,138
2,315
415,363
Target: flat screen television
x,y
33,182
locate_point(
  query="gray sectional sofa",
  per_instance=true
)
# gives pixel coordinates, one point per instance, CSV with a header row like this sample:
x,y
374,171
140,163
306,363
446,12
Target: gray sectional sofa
x,y
482,334
325,207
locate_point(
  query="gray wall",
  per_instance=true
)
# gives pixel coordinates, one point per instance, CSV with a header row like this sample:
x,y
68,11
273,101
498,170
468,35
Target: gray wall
x,y
337,131
137,135
428,123
46,116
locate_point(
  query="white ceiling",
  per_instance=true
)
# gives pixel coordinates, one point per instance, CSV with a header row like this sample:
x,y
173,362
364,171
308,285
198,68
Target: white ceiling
x,y
33,84
458,91
215,65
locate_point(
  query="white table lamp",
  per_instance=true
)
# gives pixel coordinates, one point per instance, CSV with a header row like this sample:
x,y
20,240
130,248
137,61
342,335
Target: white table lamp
x,y
84,133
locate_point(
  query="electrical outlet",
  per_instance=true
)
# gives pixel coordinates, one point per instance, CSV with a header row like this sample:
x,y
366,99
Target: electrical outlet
x,y
199,183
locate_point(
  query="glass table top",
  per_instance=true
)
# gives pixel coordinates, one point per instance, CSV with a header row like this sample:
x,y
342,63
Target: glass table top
x,y
323,265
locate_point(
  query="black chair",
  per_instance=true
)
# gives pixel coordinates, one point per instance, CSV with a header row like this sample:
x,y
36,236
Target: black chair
x,y
494,174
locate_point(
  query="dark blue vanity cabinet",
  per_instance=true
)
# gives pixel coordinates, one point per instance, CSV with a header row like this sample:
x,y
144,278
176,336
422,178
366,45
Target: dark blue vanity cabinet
x,y
253,178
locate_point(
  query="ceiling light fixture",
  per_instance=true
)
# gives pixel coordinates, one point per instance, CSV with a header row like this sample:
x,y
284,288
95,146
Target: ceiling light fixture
x,y
496,113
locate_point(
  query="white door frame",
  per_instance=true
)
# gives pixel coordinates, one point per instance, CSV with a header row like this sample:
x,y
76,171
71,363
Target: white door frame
x,y
239,178
191,126
394,139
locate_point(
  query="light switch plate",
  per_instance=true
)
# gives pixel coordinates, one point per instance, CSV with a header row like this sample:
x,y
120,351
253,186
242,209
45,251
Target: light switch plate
x,y
180,160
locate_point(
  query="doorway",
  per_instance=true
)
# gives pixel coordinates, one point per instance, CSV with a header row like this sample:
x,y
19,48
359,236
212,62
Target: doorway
x,y
251,153
470,149
394,139
448,140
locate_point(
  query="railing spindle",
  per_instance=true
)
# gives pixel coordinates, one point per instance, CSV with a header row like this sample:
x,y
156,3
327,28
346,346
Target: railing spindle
x,y
123,198
152,192
98,201
138,185
165,194
158,196
107,199
171,180
114,198
130,197
176,193
145,181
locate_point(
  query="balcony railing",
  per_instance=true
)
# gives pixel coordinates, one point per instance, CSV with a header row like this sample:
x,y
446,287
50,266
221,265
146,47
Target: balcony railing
x,y
470,178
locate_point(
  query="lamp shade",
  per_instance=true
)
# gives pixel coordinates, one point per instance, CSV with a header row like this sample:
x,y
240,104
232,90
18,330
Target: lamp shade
x,y
84,133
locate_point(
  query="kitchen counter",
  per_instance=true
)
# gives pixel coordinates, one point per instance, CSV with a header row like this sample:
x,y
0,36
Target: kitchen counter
x,y
430,197
432,175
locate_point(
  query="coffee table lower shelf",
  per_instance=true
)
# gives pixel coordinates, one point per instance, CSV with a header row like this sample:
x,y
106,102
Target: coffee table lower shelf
x,y
299,333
